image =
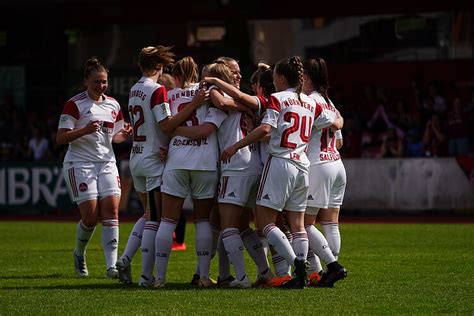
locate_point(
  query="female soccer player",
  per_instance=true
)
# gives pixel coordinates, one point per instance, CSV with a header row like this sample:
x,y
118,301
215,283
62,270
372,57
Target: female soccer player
x,y
90,122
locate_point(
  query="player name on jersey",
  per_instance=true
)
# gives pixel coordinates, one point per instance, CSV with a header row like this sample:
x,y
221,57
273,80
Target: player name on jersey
x,y
138,93
190,142
182,94
329,156
292,101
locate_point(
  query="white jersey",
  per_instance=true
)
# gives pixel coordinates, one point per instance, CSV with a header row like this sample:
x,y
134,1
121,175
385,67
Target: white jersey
x,y
193,154
322,145
97,146
147,106
292,120
234,128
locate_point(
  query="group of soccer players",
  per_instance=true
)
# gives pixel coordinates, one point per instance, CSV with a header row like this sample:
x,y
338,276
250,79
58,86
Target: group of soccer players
x,y
272,154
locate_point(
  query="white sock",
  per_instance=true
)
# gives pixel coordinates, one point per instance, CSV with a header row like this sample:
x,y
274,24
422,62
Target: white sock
x,y
263,240
163,243
83,235
314,262
224,262
278,240
280,265
319,244
300,244
148,248
135,239
255,249
203,247
333,236
110,238
235,250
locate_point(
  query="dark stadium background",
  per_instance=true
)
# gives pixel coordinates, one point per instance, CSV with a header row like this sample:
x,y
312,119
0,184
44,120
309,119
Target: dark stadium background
x,y
43,46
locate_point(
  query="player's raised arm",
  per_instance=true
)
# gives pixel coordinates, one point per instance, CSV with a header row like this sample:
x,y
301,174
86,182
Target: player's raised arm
x,y
235,93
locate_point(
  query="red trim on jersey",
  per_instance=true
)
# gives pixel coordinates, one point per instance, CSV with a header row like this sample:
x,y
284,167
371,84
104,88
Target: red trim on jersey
x,y
274,104
109,98
70,108
318,110
159,96
119,116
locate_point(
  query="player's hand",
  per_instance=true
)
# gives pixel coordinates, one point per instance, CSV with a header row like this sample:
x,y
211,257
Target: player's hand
x,y
228,153
210,80
91,127
201,97
127,130
163,153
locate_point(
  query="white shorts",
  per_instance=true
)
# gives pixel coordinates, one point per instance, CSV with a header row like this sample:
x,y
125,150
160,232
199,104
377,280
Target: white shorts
x,y
327,184
146,184
91,180
200,184
239,190
283,186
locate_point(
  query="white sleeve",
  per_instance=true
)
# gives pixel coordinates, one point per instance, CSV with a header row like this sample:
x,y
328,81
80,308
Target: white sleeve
x,y
271,118
67,121
325,119
215,116
161,111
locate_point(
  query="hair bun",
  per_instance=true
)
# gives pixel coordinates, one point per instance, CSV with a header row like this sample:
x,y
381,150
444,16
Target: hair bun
x,y
92,62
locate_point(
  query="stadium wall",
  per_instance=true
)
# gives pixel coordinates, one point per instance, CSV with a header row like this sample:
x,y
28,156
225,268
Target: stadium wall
x,y
408,185
378,185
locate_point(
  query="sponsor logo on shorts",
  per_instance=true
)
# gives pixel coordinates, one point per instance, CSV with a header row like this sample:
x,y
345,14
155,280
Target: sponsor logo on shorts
x,y
231,194
83,187
266,197
310,197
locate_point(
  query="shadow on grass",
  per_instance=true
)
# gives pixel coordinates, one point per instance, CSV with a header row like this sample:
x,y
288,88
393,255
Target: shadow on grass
x,y
132,287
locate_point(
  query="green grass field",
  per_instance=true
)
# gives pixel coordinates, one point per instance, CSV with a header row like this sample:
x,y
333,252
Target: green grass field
x,y
393,269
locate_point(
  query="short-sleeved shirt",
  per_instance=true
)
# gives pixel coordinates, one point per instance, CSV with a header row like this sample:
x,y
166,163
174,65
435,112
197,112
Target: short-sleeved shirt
x,y
291,117
193,154
147,106
322,145
97,146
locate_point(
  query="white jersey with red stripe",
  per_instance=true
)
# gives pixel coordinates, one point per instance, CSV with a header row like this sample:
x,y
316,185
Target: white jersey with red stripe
x,y
234,128
97,146
322,145
292,120
193,154
147,106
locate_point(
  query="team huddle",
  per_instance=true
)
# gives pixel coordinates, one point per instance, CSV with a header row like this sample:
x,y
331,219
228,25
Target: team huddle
x,y
272,156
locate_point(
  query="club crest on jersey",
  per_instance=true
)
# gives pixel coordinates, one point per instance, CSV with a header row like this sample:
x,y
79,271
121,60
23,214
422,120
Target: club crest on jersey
x,y
107,127
83,187
114,115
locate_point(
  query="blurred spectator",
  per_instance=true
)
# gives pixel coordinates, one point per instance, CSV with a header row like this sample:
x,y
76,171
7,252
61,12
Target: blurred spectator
x,y
352,139
414,146
458,129
434,138
38,145
392,145
435,102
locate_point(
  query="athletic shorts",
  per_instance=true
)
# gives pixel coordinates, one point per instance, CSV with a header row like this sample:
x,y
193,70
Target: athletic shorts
x,y
199,184
283,186
146,184
239,190
91,180
327,184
